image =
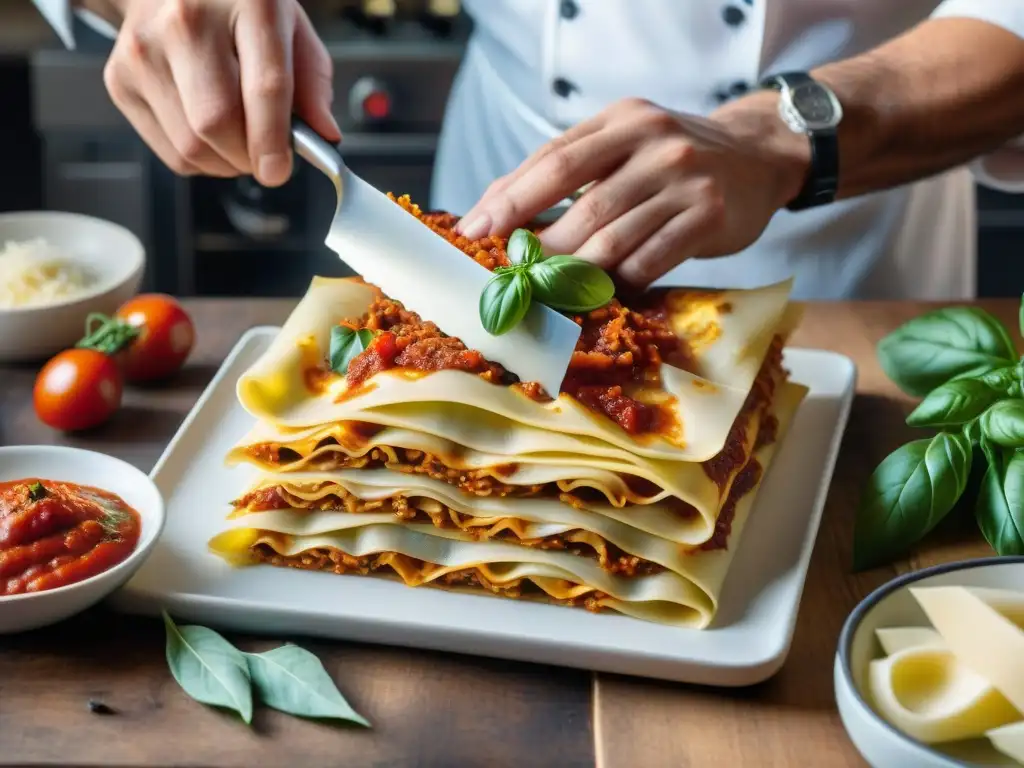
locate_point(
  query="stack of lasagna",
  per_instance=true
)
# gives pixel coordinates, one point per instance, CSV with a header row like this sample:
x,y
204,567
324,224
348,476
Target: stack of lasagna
x,y
421,461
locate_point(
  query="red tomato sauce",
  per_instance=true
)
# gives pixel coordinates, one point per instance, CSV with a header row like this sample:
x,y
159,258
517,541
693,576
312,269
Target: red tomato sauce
x,y
53,534
619,352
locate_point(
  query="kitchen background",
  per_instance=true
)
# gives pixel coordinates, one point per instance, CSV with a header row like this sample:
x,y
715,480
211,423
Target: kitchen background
x,y
64,146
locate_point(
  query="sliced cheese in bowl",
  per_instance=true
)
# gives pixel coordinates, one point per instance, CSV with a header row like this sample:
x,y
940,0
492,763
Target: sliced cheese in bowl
x,y
1009,739
958,683
926,692
978,627
895,639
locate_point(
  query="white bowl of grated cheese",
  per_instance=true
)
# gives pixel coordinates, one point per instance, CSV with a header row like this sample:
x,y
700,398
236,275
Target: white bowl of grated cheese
x,y
55,269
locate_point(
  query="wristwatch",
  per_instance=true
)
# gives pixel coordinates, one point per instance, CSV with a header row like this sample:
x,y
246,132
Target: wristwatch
x,y
811,108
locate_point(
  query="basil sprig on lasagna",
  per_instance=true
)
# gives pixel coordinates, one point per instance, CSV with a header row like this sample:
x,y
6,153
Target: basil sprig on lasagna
x,y
562,282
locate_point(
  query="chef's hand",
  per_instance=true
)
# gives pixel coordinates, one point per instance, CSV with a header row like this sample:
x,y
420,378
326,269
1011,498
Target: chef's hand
x,y
211,85
667,187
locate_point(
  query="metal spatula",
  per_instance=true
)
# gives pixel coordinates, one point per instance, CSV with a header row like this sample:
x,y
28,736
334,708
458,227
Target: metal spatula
x,y
392,250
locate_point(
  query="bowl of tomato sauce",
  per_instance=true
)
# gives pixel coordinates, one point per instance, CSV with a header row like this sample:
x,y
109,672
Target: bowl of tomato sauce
x,y
74,526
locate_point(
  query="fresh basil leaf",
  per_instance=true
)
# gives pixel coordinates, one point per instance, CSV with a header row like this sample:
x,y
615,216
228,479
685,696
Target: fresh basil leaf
x,y
346,344
570,284
1003,423
524,248
975,373
937,346
1000,507
991,451
953,403
1000,379
504,302
291,679
208,668
913,488
972,431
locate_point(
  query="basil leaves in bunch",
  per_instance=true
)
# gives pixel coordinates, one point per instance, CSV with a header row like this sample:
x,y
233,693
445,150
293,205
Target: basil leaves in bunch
x,y
955,342
570,284
505,301
913,488
564,283
963,363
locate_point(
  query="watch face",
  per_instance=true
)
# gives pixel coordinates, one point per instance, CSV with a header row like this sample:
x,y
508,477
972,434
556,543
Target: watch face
x,y
815,105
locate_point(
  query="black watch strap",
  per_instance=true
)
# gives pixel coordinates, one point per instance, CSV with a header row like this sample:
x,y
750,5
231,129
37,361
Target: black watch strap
x,y
823,173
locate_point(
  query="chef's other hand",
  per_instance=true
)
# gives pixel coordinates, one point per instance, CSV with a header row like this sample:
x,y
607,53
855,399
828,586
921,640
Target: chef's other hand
x,y
666,186
211,85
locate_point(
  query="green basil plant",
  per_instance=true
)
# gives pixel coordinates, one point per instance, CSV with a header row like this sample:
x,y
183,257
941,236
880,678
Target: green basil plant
x,y
562,282
963,364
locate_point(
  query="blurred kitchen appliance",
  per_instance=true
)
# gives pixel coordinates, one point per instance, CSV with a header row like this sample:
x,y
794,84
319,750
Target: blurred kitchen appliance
x,y
394,62
1000,244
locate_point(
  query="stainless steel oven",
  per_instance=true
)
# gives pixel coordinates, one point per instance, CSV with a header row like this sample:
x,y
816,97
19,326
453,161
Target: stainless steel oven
x,y
394,65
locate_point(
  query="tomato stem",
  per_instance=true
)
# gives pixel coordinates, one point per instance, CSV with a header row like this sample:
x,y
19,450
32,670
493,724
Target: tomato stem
x,y
106,334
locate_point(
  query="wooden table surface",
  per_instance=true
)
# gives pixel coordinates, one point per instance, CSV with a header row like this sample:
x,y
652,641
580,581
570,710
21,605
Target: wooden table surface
x,y
434,709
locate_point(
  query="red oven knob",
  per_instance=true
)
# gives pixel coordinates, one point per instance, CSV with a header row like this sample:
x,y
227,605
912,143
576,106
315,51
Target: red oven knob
x,y
369,101
377,105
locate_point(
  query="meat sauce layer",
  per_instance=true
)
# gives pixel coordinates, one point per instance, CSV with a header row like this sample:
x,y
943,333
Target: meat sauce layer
x,y
487,482
53,534
476,482
394,564
611,558
620,350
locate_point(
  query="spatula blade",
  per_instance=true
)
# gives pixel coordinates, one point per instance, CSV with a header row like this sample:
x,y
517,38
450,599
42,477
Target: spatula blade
x,y
389,248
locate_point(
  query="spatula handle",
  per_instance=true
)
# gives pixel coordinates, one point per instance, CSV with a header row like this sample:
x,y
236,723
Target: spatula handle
x,y
317,151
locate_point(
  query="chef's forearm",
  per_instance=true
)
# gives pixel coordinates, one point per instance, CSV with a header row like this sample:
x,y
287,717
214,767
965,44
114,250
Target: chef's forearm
x,y
940,95
936,97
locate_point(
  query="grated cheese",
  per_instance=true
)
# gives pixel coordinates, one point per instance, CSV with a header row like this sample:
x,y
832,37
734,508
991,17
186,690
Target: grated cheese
x,y
35,273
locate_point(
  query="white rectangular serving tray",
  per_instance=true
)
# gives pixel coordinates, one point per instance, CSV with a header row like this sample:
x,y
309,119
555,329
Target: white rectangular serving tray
x,y
747,643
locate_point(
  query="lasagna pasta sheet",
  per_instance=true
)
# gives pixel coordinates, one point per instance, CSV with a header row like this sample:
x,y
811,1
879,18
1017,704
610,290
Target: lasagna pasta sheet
x,y
684,592
612,473
503,454
730,333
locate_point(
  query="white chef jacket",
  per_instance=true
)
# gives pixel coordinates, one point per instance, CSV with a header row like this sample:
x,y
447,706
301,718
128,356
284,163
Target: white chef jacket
x,y
535,67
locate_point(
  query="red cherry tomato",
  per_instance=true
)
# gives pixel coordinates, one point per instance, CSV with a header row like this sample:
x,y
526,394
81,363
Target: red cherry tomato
x,y
166,336
77,389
